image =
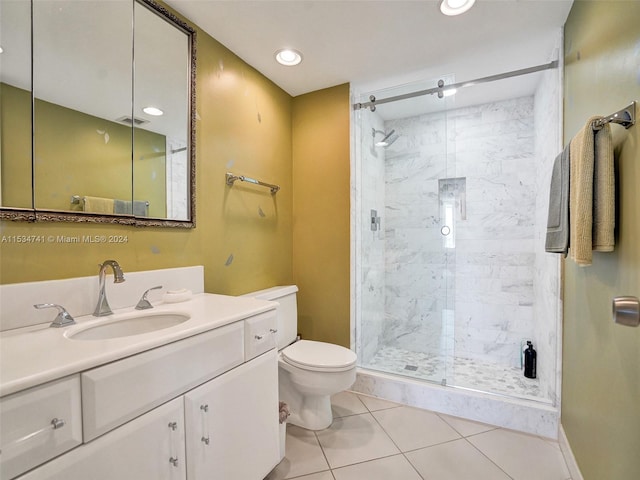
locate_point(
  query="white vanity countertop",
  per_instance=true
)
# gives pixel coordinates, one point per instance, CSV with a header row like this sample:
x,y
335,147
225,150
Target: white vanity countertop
x,y
34,355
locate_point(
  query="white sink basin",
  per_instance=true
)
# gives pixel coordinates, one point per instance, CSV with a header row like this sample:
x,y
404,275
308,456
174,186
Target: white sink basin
x,y
125,327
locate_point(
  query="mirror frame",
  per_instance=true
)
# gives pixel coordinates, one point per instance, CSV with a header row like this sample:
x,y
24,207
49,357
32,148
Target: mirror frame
x,y
42,215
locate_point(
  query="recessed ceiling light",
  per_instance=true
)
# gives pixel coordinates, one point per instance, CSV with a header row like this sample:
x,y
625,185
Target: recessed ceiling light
x,y
455,7
156,112
288,57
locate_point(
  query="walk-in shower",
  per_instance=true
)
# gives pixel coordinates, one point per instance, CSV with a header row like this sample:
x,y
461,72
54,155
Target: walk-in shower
x,y
454,280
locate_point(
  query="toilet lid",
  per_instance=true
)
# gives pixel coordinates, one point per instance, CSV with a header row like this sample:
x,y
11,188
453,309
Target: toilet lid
x,y
311,355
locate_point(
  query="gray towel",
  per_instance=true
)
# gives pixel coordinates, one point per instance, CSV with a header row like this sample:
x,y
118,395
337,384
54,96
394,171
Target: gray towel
x,y
139,208
558,219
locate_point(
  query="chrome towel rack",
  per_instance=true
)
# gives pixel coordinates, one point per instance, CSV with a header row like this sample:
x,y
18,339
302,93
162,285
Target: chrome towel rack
x,y
625,117
231,178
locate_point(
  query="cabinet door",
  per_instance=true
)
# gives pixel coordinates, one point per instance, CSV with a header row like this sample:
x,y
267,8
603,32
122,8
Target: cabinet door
x,y
232,423
149,447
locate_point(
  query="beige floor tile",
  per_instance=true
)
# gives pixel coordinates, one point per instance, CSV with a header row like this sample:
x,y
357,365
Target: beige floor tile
x,y
317,476
457,460
395,467
412,428
354,439
344,404
466,427
303,456
522,456
374,403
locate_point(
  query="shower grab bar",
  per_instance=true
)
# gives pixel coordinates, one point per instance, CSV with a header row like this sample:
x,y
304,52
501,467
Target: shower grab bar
x,y
441,88
625,117
231,178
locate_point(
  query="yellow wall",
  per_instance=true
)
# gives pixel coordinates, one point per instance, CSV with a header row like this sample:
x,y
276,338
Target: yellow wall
x,y
601,360
244,125
15,152
321,213
76,154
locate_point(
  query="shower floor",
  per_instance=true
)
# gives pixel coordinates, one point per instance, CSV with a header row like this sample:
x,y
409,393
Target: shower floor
x,y
457,371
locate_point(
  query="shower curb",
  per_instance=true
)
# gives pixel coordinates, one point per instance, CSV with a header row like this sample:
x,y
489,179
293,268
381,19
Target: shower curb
x,y
522,415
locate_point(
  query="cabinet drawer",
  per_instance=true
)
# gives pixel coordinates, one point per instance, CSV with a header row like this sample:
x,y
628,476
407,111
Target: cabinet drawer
x,y
259,334
38,424
123,390
150,447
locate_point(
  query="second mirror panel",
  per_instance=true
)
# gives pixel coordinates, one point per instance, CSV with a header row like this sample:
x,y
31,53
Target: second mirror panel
x,y
82,70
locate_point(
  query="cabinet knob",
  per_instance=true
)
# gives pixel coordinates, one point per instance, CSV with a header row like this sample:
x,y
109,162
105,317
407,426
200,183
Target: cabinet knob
x,y
173,461
173,425
273,330
258,337
205,440
57,423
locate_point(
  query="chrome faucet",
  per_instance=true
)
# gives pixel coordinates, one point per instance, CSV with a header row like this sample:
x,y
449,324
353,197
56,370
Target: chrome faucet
x,y
103,308
144,303
62,319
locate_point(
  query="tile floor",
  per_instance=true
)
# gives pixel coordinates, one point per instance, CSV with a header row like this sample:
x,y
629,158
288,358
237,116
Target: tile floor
x,y
372,439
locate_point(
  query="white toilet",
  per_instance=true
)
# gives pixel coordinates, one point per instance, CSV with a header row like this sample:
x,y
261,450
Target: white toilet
x,y
309,372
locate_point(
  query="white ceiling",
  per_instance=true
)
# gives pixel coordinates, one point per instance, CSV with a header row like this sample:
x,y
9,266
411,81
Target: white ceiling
x,y
369,42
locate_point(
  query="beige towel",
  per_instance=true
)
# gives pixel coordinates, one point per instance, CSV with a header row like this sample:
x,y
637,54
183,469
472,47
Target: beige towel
x,y
591,193
604,204
98,204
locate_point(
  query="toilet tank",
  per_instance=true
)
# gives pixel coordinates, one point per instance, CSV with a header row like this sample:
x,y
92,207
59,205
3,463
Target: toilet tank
x,y
287,311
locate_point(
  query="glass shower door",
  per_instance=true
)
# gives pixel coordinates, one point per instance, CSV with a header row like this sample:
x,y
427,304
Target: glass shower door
x,y
406,245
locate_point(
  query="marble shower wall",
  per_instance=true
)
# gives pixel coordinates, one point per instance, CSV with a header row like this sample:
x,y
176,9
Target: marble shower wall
x,y
487,279
371,244
416,263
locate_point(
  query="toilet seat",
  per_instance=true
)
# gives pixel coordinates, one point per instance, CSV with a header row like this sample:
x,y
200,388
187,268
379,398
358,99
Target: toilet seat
x,y
319,356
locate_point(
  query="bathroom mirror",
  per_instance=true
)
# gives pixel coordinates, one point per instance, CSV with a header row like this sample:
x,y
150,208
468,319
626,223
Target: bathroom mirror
x,y
88,143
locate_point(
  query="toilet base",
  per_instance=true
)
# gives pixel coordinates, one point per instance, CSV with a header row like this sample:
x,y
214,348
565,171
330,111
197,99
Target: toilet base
x,y
308,410
314,413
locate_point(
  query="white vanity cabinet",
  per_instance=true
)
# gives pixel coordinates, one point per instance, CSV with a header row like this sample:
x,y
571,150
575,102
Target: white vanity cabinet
x,y
232,423
149,447
120,391
204,407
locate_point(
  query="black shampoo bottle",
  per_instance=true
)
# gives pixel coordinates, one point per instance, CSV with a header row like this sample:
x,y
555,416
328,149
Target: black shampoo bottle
x,y
530,361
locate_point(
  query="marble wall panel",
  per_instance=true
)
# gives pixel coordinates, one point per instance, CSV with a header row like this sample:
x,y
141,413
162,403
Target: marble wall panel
x,y
493,147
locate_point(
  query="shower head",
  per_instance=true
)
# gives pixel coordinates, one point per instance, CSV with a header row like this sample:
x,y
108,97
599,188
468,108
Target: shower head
x,y
388,138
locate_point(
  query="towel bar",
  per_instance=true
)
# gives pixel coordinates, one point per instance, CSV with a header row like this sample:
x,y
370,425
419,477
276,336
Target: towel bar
x,y
75,199
625,117
231,178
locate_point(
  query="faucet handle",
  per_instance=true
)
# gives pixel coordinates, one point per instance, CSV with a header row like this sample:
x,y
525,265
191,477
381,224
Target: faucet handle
x,y
144,304
63,318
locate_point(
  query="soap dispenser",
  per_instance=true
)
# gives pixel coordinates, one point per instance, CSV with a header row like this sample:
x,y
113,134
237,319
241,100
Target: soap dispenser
x,y
530,361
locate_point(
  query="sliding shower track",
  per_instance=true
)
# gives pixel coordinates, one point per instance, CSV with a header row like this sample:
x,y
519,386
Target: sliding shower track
x,y
441,88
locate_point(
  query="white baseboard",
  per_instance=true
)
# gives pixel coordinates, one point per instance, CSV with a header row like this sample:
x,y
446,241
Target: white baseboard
x,y
570,460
